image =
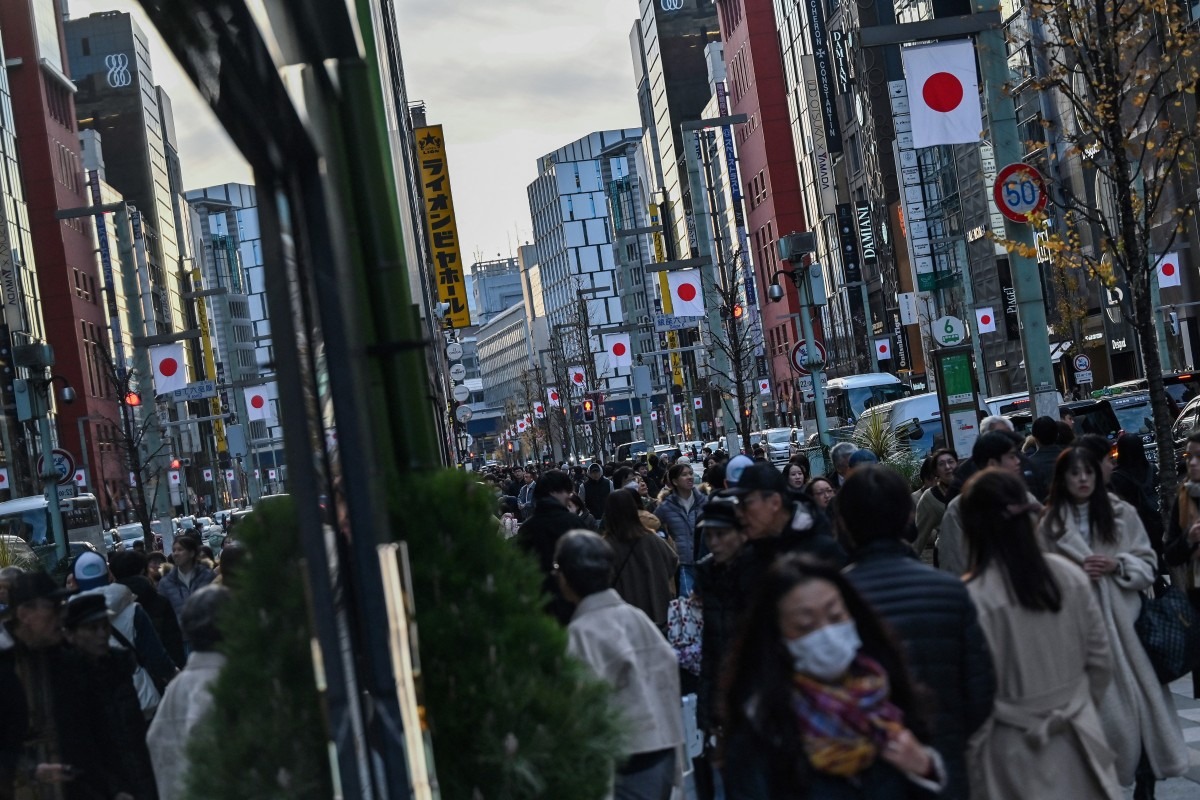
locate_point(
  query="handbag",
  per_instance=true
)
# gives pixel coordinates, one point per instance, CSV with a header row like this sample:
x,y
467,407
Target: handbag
x,y
1169,630
685,625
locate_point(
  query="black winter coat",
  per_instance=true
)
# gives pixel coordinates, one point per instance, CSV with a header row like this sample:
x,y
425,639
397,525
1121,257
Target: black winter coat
x,y
161,613
723,603
1042,464
539,535
935,620
816,541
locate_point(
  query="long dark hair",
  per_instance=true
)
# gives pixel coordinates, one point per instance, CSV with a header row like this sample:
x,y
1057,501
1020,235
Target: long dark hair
x,y
621,521
1131,457
1100,512
995,519
759,668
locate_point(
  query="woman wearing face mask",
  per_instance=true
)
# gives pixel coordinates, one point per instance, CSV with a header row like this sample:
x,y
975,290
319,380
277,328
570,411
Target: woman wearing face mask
x,y
1105,538
818,703
1044,740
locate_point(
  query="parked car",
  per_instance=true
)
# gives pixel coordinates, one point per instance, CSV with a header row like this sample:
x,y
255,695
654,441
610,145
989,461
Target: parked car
x,y
47,554
1181,388
629,451
1185,425
916,421
129,533
1091,416
1134,414
1004,404
777,442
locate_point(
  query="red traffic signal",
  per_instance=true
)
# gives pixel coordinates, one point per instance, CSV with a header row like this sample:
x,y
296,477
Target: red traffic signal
x,y
133,399
738,311
588,406
176,463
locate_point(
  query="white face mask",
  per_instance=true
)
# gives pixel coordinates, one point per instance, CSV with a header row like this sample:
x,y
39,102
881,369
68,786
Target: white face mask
x,y
827,652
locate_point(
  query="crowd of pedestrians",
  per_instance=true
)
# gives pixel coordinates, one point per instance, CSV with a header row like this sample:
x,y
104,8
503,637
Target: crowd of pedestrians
x,y
851,635
104,675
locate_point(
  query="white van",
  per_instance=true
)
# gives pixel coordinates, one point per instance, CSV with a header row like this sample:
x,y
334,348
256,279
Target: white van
x,y
915,420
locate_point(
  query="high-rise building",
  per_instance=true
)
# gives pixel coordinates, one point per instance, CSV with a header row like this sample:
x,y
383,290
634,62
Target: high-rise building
x,y
575,247
769,185
69,280
672,40
229,234
109,60
495,287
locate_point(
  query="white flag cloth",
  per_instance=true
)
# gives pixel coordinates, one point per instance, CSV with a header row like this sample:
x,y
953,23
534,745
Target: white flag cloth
x,y
208,475
637,419
883,349
678,409
764,386
539,410
698,402
520,426
271,474
619,351
173,476
167,362
1168,270
943,93
687,300
4,484
552,397
985,319
258,402
229,475
80,478
654,416
578,378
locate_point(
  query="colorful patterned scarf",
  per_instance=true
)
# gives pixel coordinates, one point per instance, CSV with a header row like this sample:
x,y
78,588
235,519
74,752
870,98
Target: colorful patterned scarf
x,y
846,725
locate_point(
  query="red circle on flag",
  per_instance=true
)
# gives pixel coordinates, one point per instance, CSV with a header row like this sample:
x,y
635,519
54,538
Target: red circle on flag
x,y
577,377
1168,269
619,349
942,92
3,478
258,401
883,348
986,319
554,395
168,367
686,292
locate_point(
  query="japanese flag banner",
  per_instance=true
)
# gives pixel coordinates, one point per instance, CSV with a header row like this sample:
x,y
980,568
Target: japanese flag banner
x,y
173,477
678,409
764,386
1168,271
271,474
4,484
578,378
637,420
698,402
687,300
654,416
883,349
520,426
943,93
208,475
80,478
229,475
617,345
539,410
167,362
985,319
552,397
258,402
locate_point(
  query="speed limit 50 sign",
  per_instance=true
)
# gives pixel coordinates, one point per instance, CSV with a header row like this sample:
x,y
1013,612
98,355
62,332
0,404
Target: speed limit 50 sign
x,y
1020,192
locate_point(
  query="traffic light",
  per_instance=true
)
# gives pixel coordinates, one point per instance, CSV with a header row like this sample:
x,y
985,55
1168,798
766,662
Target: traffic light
x,y
738,311
510,447
133,399
176,463
589,410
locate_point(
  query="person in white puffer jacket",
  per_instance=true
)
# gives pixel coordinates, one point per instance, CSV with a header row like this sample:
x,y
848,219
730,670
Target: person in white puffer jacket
x,y
132,628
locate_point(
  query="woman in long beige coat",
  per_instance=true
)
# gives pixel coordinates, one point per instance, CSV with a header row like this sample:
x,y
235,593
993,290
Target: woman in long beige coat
x,y
1105,538
1044,740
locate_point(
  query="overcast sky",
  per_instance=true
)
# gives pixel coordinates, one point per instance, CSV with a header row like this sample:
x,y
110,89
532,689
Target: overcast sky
x,y
508,81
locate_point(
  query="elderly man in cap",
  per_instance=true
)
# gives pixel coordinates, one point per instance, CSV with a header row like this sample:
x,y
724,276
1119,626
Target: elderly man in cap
x,y
622,646
776,521
131,625
51,711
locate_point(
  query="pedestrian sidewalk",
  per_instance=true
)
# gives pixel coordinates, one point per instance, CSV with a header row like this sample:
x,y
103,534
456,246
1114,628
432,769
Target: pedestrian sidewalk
x,y
1189,719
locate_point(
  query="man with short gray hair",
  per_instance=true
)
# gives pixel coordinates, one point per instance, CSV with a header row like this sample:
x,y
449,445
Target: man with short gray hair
x,y
620,644
839,455
996,423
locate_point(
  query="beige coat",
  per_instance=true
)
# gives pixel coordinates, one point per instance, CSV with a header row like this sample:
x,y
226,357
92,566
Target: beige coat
x,y
1044,740
1136,710
187,700
953,554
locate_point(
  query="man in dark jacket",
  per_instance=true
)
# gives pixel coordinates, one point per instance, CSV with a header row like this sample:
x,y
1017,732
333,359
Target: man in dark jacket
x,y
131,569
776,522
929,610
539,534
1045,431
595,490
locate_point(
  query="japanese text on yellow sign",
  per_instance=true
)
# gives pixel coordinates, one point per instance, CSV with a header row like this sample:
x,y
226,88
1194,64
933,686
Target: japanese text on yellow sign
x,y
442,229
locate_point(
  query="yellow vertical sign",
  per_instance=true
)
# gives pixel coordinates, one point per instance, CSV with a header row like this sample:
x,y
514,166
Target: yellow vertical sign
x,y
210,364
660,256
441,226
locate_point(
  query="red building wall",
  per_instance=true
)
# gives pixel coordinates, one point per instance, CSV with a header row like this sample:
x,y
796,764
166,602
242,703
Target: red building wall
x,y
69,279
771,186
